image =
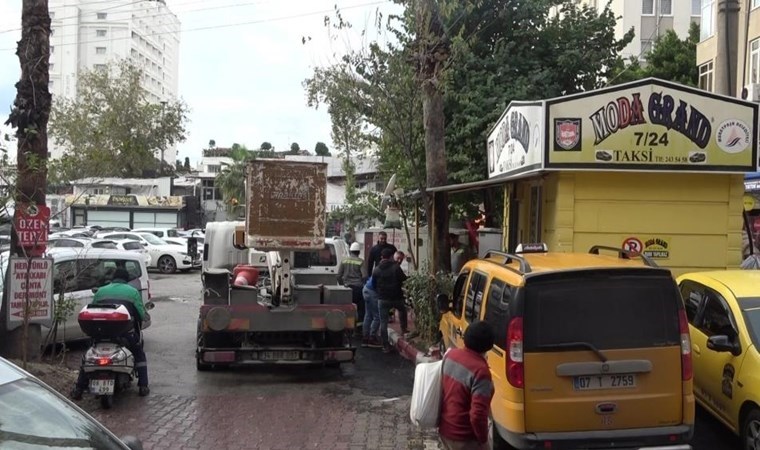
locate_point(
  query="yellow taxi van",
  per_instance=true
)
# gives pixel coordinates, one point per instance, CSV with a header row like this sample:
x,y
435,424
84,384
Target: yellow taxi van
x,y
592,350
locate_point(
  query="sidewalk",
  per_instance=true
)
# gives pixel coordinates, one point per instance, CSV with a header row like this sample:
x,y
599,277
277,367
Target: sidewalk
x,y
407,348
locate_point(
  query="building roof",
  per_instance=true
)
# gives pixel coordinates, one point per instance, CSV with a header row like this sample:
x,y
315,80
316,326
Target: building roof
x,y
364,166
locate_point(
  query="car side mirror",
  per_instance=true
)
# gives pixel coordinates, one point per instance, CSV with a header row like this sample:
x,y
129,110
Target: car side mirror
x,y
149,306
723,343
442,300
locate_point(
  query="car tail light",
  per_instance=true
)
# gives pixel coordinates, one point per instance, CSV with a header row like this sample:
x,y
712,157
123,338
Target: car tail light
x,y
687,370
515,365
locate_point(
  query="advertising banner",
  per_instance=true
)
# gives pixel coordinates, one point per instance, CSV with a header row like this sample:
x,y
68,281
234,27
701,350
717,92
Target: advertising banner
x,y
30,288
653,126
515,144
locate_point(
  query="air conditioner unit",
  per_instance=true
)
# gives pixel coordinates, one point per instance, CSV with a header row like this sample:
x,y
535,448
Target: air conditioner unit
x,y
753,92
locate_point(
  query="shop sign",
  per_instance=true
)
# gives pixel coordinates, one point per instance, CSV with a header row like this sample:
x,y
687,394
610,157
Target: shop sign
x,y
122,200
30,283
653,247
516,142
31,223
652,125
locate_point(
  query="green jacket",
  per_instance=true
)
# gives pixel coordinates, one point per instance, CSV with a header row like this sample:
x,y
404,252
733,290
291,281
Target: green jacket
x,y
120,290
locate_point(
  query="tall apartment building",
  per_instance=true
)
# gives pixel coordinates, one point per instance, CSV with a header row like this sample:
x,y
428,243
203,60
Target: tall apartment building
x,y
87,34
650,19
728,55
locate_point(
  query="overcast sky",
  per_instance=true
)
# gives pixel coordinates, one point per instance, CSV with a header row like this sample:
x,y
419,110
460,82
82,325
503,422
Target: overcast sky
x,y
242,83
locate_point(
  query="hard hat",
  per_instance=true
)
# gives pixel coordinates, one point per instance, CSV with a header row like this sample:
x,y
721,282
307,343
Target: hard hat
x,y
355,247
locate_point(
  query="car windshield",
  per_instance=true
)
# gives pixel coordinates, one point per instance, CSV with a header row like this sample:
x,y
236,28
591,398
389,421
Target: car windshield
x,y
152,239
32,417
751,313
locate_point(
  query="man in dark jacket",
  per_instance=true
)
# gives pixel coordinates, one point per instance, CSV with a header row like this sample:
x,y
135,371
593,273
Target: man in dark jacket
x,y
389,278
374,253
467,391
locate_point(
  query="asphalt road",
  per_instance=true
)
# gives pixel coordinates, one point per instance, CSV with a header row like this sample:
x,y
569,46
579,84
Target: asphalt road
x,y
361,405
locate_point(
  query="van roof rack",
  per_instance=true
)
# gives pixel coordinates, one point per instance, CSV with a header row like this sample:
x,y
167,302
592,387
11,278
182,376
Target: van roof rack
x,y
623,254
508,258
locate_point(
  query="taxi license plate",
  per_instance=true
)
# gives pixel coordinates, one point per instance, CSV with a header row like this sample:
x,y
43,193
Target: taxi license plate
x,y
595,382
275,355
102,387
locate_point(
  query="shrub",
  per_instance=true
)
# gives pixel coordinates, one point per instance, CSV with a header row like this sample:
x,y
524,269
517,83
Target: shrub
x,y
421,289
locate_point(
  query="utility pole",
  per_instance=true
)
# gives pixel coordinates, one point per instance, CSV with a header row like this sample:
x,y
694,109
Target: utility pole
x,y
29,116
432,54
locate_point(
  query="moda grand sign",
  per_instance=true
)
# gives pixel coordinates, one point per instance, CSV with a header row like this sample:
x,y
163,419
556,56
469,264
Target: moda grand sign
x,y
515,143
651,125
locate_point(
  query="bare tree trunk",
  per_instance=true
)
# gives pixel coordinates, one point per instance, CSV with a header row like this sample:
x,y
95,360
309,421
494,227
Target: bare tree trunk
x,y
29,116
433,53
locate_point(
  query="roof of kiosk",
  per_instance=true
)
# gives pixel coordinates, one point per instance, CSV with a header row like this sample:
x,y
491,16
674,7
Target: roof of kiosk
x,y
647,125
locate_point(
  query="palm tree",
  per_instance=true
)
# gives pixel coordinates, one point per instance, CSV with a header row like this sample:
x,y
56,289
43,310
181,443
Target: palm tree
x,y
231,180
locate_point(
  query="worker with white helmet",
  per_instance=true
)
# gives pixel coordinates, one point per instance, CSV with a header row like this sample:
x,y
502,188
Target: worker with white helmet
x,y
352,273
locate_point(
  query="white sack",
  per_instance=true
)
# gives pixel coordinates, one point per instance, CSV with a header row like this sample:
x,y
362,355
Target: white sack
x,y
426,394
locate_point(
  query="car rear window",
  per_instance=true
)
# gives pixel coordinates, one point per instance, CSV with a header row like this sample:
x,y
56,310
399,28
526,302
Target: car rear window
x,y
608,309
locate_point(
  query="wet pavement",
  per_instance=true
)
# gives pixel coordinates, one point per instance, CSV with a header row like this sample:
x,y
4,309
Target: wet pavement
x,y
359,406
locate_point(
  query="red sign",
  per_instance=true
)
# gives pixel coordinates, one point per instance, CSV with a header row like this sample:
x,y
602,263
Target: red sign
x,y
633,244
31,222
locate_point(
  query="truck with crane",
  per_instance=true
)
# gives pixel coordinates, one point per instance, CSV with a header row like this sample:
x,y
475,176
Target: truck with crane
x,y
297,315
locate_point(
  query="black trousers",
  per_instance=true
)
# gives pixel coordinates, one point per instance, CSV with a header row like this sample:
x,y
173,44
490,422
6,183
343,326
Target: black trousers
x,y
358,299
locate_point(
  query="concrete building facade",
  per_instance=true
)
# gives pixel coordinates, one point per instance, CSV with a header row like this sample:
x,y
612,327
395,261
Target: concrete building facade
x,y
728,55
650,19
87,35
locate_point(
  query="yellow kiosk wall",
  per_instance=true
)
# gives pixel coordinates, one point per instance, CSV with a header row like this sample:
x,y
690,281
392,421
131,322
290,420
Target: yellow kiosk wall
x,y
698,215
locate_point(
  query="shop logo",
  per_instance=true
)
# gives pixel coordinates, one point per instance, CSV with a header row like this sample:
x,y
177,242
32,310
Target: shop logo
x,y
567,135
733,136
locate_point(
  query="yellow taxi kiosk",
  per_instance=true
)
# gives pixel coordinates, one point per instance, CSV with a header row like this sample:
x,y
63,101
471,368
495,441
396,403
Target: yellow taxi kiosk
x,y
651,166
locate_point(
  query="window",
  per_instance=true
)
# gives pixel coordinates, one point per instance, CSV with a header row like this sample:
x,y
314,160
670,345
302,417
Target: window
x,y
50,67
707,20
666,7
100,33
497,310
98,191
214,168
647,7
716,318
102,16
692,299
474,298
458,294
99,272
104,244
754,61
52,31
324,257
696,6
646,47
755,3
706,76
100,50
64,276
606,308
52,14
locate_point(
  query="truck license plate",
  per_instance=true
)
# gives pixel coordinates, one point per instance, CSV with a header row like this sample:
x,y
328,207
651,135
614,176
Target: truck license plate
x,y
102,387
275,355
593,382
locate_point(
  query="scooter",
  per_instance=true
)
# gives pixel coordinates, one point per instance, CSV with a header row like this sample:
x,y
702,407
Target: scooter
x,y
108,363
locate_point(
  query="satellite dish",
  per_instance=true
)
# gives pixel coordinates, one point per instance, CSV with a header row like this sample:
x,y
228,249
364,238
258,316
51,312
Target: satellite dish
x,y
388,193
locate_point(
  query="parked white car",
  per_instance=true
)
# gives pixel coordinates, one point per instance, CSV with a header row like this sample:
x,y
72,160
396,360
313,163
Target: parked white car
x,y
165,257
135,246
182,241
162,233
79,242
76,271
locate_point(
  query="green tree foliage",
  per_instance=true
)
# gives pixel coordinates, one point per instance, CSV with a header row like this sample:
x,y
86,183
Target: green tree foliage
x,y
295,148
671,58
186,165
266,146
231,180
321,149
110,128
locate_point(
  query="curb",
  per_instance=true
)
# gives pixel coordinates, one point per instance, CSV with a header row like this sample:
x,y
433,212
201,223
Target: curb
x,y
407,350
